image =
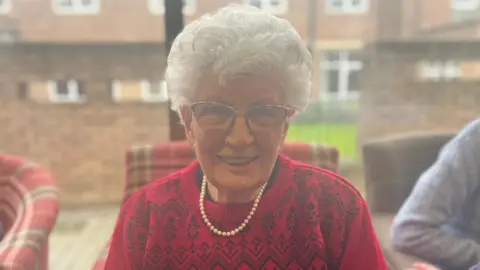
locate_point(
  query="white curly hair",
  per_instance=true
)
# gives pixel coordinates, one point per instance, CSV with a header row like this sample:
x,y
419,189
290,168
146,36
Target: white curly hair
x,y
235,40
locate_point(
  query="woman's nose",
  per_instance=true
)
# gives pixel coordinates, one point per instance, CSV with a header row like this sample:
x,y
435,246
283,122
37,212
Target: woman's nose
x,y
240,134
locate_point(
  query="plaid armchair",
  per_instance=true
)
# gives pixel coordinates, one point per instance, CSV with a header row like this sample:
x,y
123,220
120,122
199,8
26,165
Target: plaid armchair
x,y
29,208
147,163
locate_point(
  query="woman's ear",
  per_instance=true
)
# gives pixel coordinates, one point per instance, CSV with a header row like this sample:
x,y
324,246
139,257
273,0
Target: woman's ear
x,y
187,117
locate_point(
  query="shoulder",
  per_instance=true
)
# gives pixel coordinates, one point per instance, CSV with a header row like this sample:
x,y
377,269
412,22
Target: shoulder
x,y
472,127
468,138
162,190
167,186
469,135
463,150
325,187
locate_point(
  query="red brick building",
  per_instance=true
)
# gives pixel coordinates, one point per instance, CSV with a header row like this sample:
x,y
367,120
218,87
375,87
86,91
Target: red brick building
x,y
82,80
423,71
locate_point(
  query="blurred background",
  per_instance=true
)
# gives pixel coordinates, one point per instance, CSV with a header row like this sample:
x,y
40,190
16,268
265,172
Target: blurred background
x,y
82,80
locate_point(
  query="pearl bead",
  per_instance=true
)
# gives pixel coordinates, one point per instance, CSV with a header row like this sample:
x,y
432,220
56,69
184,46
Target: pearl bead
x,y
239,228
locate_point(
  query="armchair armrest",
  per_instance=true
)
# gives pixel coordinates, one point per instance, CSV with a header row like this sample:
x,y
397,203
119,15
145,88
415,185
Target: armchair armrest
x,y
25,245
395,259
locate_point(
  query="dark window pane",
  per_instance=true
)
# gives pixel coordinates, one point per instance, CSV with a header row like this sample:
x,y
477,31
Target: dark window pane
x,y
332,56
156,88
65,3
354,56
256,3
332,81
22,91
336,3
357,3
354,80
62,88
274,3
81,88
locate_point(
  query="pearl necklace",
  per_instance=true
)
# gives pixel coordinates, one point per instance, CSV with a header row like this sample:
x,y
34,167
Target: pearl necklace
x,y
239,228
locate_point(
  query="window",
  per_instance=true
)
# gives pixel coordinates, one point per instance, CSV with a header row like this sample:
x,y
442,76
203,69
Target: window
x,y
347,6
157,7
5,6
440,70
465,5
154,91
272,6
76,6
341,73
65,91
135,91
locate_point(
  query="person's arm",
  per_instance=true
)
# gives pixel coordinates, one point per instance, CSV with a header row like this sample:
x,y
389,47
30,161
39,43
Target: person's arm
x,y
362,250
475,267
127,248
439,194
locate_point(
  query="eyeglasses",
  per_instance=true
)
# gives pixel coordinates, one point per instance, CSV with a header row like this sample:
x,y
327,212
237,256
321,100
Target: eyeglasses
x,y
214,115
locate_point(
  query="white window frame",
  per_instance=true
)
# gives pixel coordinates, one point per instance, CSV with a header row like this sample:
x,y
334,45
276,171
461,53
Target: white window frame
x,y
266,5
73,95
77,8
157,7
116,91
147,95
145,92
344,66
6,7
465,5
440,70
347,7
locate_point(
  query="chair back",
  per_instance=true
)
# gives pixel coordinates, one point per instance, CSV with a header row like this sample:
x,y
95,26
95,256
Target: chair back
x,y
149,162
392,167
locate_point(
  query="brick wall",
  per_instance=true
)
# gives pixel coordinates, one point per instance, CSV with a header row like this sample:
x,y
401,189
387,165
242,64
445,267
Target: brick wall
x,y
395,101
82,144
131,21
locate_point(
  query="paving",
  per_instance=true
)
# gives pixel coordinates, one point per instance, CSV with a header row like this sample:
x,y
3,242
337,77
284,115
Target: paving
x,y
80,236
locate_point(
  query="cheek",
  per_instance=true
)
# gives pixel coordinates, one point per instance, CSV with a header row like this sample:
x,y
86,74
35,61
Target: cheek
x,y
208,143
269,143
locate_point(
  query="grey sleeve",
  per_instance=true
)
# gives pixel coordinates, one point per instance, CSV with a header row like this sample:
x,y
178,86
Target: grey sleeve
x,y
438,195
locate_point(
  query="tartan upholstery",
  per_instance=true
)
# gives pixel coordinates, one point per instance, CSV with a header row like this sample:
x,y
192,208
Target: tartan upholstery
x,y
150,162
29,206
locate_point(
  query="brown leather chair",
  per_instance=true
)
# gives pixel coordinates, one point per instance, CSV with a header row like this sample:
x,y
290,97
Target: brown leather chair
x,y
392,167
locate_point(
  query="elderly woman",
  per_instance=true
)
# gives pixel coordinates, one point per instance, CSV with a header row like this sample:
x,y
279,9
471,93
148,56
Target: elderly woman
x,y
236,78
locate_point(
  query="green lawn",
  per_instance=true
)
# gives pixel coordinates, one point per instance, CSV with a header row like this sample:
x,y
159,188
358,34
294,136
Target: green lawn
x,y
342,136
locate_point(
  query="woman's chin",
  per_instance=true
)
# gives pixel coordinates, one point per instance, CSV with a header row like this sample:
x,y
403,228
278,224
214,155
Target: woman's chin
x,y
236,182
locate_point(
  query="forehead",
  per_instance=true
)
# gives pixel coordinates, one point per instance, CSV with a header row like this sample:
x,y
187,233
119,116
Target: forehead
x,y
241,91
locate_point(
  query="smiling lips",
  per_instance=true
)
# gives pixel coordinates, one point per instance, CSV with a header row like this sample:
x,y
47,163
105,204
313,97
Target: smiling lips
x,y
237,161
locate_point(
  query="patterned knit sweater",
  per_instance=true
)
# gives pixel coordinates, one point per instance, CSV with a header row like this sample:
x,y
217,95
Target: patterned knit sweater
x,y
308,218
440,221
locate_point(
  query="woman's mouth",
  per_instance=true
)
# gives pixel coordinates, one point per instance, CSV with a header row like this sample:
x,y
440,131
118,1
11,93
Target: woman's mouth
x,y
237,161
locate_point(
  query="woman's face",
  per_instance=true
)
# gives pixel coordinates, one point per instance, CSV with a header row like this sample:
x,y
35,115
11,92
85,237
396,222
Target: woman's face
x,y
235,130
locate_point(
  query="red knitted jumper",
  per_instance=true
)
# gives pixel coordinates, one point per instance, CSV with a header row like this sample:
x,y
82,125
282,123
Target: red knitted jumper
x,y
308,218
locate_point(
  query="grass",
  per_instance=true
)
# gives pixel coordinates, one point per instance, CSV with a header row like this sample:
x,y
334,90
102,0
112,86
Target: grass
x,y
342,136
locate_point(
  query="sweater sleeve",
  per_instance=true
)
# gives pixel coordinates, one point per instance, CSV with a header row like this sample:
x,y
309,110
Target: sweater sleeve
x,y
440,194
127,248
361,248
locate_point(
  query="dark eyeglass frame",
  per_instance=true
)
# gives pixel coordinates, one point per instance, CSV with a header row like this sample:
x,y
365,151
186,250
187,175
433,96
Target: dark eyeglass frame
x,y
288,112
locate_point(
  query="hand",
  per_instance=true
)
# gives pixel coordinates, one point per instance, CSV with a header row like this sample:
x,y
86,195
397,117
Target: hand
x,y
423,266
